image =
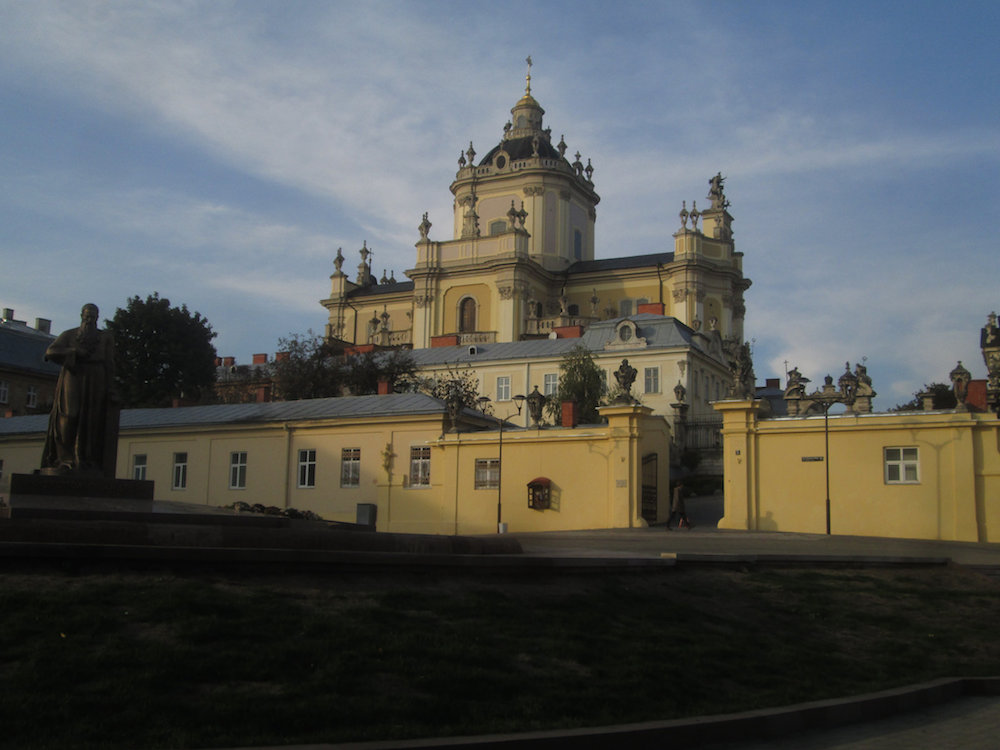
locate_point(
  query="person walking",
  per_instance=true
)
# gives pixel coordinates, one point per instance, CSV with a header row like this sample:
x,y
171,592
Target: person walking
x,y
678,509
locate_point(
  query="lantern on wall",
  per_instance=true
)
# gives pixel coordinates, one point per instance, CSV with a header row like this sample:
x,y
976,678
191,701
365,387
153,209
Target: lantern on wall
x,y
539,493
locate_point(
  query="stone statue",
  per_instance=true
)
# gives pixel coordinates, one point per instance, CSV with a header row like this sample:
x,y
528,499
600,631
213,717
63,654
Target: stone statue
x,y
796,387
960,378
625,375
716,192
990,334
740,358
82,438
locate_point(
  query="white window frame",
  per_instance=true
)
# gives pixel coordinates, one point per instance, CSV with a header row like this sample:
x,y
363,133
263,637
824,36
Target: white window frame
x,y
420,466
550,384
503,388
139,464
307,468
901,464
487,476
350,467
180,472
651,377
32,399
238,470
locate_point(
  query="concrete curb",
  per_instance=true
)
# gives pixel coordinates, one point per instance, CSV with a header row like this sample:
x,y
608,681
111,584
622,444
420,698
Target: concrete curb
x,y
316,559
749,726
722,558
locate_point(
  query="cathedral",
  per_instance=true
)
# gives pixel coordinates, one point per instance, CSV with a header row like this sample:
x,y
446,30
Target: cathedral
x,y
520,282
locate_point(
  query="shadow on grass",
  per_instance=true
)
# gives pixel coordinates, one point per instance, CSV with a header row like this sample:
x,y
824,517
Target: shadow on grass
x,y
225,660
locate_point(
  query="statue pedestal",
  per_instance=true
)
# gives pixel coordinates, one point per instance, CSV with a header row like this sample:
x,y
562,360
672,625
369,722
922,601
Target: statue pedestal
x,y
38,495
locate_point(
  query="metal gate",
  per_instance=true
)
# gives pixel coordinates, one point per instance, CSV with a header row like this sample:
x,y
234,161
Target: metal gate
x,y
649,490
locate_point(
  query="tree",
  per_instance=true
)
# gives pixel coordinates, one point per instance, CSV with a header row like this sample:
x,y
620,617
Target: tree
x,y
580,380
161,352
362,372
453,386
306,368
943,398
311,367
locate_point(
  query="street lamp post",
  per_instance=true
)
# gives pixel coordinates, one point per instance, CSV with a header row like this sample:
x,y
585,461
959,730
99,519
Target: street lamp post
x,y
483,401
844,394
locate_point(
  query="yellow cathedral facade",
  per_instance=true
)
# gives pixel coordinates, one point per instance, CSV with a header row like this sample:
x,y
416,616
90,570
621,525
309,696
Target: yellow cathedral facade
x,y
521,267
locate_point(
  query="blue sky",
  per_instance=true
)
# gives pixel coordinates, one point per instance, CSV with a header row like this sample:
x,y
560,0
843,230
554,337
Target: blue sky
x,y
220,152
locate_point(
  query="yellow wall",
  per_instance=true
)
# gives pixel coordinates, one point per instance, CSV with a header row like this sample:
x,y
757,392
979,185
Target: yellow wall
x,y
595,474
20,455
775,481
484,307
595,471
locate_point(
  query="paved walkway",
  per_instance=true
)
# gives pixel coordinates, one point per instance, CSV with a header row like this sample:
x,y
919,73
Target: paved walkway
x,y
964,724
704,541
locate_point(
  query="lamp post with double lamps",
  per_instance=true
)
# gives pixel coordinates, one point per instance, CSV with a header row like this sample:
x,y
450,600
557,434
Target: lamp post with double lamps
x,y
844,394
483,401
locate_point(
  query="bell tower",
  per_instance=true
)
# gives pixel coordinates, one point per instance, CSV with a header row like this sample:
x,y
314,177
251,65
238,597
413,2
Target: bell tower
x,y
526,173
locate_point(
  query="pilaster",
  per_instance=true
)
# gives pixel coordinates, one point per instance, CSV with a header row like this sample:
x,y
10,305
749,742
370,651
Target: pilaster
x,y
739,424
625,475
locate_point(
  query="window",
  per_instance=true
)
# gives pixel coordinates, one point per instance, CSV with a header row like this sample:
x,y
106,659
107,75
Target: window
x,y
420,466
487,474
652,377
4,392
577,245
550,384
1,468
604,382
32,400
350,467
139,466
238,470
625,307
180,471
307,468
467,315
498,227
503,388
902,466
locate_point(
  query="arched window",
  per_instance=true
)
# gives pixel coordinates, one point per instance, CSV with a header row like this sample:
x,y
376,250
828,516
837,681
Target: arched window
x,y
498,227
467,315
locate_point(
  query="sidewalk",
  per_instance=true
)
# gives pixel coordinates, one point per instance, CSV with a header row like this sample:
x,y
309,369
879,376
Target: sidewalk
x,y
704,542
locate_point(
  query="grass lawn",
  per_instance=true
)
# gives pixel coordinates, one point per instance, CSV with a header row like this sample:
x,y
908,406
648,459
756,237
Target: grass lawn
x,y
165,660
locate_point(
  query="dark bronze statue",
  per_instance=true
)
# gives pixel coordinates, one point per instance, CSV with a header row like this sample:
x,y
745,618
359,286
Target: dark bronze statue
x,y
83,427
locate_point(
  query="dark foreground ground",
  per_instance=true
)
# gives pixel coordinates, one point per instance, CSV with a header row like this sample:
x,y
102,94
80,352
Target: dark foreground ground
x,y
98,657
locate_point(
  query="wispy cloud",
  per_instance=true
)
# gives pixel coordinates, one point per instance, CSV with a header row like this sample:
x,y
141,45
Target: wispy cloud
x,y
861,185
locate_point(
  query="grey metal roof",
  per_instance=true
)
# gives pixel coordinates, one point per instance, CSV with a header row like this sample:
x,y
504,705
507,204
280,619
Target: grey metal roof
x,y
397,404
31,424
658,330
613,264
367,291
24,349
